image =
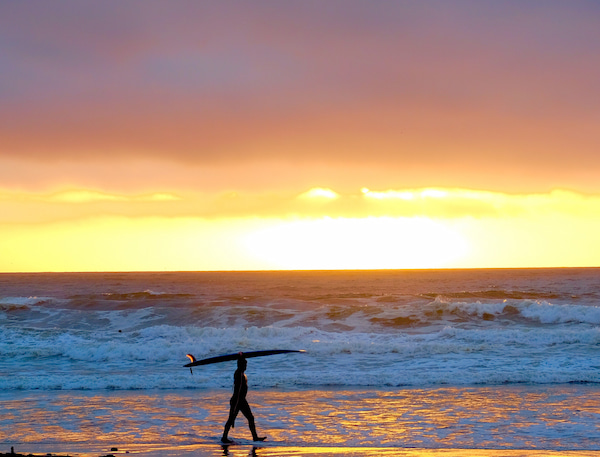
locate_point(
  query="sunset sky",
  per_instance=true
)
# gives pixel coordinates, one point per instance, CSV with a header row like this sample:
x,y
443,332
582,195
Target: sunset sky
x,y
230,135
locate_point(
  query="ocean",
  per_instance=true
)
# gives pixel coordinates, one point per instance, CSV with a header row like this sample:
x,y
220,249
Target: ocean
x,y
503,359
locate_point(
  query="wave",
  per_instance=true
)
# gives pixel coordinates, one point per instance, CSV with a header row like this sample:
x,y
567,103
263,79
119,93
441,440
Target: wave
x,y
146,294
496,294
25,301
539,311
22,306
134,334
153,357
363,314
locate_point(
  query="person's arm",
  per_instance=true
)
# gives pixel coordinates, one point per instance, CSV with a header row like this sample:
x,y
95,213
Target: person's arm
x,y
238,383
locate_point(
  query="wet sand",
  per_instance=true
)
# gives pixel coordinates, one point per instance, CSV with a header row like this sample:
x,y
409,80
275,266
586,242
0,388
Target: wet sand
x,y
214,450
500,421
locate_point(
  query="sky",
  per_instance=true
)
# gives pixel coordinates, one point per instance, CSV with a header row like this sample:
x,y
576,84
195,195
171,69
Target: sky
x,y
230,135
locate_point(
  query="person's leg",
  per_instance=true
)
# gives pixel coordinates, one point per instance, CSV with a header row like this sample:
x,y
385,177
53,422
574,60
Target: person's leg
x,y
230,421
246,411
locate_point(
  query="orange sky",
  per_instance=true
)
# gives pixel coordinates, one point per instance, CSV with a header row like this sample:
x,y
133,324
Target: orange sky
x,y
340,134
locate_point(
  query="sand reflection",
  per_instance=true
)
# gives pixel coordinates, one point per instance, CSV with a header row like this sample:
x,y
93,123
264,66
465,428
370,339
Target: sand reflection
x,y
505,417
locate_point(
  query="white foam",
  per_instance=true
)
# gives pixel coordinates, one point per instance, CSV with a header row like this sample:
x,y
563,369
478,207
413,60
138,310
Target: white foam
x,y
548,313
153,357
25,301
537,310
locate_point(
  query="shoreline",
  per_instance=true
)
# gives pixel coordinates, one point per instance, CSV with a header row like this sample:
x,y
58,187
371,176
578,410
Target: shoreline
x,y
278,450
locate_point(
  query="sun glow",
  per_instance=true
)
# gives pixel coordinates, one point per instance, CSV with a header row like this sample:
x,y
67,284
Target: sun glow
x,y
345,243
89,230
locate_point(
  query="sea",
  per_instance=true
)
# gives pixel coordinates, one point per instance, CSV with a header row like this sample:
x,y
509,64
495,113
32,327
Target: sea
x,y
496,359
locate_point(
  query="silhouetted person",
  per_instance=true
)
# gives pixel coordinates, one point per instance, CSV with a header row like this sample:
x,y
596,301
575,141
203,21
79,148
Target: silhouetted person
x,y
239,403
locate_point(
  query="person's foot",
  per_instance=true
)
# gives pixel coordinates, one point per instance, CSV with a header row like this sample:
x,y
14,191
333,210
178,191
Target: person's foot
x,y
259,438
226,440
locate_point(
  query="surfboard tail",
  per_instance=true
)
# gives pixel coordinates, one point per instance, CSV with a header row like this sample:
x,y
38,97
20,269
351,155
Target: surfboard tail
x,y
192,360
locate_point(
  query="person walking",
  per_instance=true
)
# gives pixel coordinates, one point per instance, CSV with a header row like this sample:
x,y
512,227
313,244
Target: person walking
x,y
239,403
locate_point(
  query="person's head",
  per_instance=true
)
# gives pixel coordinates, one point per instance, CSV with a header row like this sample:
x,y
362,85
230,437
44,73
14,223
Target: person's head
x,y
241,363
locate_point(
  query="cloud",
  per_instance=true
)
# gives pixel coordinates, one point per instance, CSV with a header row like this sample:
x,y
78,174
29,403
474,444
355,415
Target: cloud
x,y
90,196
316,203
464,87
83,196
319,193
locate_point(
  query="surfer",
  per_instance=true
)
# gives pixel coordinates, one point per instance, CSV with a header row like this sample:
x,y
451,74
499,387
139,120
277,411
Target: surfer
x,y
239,403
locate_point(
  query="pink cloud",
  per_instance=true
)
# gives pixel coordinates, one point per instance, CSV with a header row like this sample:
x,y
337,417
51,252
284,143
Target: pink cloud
x,y
437,85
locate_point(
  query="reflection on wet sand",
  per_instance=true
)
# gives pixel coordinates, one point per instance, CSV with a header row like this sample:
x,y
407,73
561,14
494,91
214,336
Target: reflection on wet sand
x,y
360,422
330,451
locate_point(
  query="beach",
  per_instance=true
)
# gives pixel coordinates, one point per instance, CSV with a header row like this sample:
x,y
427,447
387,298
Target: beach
x,y
501,420
484,362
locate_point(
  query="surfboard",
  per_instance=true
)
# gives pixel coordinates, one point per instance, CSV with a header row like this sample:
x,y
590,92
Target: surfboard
x,y
237,355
